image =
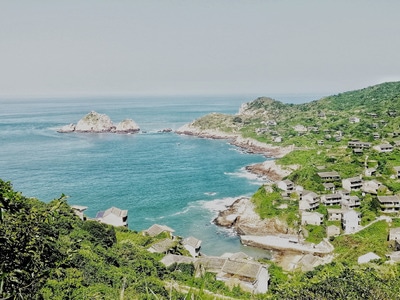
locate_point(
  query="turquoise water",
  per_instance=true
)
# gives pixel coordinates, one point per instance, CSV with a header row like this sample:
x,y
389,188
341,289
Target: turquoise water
x,y
163,178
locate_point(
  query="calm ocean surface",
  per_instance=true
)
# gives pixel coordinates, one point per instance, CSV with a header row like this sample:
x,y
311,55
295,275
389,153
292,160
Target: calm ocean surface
x,y
162,178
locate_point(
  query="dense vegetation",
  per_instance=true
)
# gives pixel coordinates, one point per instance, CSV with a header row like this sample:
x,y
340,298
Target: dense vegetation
x,y
49,253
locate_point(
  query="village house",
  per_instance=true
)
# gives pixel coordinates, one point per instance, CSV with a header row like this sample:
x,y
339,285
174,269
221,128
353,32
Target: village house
x,y
156,229
170,259
358,151
366,258
389,204
372,115
351,202
376,136
331,199
308,200
329,186
277,139
382,148
163,246
251,276
79,211
370,172
351,221
113,216
311,218
286,185
320,142
372,187
352,184
394,235
345,193
397,171
357,144
354,120
329,176
335,214
192,245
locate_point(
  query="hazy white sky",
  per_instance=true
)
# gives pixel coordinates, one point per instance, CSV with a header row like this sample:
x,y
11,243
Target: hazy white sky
x,y
99,47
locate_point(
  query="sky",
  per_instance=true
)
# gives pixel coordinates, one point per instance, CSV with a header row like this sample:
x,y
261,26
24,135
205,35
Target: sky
x,y
176,47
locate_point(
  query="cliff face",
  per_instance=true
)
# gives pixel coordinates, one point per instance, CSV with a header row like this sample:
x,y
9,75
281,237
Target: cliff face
x,y
242,217
94,122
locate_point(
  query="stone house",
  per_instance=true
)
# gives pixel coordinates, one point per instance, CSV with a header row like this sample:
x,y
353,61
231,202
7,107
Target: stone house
x,y
79,211
354,120
329,186
370,172
329,176
170,259
156,229
286,186
311,218
351,221
352,184
397,171
251,276
192,245
367,258
331,199
394,235
308,200
335,214
113,216
389,204
372,187
351,202
163,246
382,148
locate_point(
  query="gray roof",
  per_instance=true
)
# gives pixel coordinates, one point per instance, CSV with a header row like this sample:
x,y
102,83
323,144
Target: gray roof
x,y
242,268
156,229
191,241
162,246
388,198
211,263
116,211
170,259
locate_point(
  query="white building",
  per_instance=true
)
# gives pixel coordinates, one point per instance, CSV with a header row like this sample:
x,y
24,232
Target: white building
x,y
350,221
113,216
192,245
311,218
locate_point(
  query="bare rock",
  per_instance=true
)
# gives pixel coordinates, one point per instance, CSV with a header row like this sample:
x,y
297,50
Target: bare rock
x,y
67,128
94,122
127,126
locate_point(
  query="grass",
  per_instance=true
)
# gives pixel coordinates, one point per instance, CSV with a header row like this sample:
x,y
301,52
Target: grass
x,y
372,239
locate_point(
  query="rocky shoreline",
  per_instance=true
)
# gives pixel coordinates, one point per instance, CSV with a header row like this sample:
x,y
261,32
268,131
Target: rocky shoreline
x,y
273,234
248,144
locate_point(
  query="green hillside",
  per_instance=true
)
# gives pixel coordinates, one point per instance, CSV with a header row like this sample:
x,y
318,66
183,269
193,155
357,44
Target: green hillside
x,y
373,109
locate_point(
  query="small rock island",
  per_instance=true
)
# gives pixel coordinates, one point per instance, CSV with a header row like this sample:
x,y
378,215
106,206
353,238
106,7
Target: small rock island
x,y
94,122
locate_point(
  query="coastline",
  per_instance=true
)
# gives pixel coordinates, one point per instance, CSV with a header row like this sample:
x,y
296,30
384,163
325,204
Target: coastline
x,y
270,234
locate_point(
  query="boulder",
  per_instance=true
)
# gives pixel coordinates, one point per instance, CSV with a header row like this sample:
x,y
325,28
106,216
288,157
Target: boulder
x,y
127,126
67,128
95,122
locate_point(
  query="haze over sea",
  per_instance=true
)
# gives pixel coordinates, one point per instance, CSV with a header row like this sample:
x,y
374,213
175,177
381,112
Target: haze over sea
x,y
163,178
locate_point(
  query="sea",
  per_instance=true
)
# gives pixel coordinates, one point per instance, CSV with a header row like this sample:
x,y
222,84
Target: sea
x,y
160,178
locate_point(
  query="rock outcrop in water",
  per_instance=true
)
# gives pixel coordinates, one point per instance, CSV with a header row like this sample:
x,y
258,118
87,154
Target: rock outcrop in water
x,y
94,122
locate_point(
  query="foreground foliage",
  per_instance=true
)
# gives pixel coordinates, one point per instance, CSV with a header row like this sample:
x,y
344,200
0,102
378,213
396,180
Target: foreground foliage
x,y
49,253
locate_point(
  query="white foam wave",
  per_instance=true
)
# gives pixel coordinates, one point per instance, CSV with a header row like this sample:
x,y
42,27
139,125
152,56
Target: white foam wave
x,y
210,193
218,204
243,173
